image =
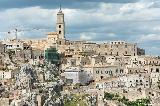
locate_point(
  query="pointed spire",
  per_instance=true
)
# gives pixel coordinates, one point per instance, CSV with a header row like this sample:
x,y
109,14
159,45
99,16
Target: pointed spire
x,y
60,7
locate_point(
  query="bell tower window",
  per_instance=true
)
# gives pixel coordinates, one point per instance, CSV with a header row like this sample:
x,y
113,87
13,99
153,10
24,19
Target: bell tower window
x,y
59,26
60,32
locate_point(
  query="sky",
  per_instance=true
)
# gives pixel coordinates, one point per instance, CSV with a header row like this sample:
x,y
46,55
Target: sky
x,y
135,21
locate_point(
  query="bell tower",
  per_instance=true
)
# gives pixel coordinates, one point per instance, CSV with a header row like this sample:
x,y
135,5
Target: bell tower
x,y
60,25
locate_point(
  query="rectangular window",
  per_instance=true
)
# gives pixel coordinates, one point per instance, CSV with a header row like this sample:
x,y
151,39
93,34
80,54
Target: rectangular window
x,y
117,54
157,70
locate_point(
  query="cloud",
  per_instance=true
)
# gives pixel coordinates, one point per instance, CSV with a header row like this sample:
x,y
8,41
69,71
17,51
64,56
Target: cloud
x,y
150,37
87,36
81,4
30,21
156,28
133,7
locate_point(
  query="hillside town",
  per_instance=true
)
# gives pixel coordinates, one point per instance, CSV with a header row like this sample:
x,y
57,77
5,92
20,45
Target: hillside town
x,y
55,71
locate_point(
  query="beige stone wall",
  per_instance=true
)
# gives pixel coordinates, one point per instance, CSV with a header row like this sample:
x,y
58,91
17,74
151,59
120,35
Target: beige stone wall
x,y
52,37
104,72
4,101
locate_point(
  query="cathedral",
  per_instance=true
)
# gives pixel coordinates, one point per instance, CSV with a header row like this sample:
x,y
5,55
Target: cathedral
x,y
75,48
53,37
80,48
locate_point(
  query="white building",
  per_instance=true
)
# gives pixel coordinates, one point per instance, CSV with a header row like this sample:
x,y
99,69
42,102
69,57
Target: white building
x,y
13,44
74,75
136,81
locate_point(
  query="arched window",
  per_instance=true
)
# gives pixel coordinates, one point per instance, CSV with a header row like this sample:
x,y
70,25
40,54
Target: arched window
x,y
116,70
97,72
121,70
106,72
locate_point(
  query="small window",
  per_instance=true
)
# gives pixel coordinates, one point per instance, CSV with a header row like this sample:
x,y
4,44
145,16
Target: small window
x,y
117,54
116,70
60,32
110,72
60,42
157,70
101,77
59,26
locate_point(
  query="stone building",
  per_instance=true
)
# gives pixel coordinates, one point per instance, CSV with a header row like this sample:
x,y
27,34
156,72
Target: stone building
x,y
15,44
4,101
105,72
79,49
131,82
